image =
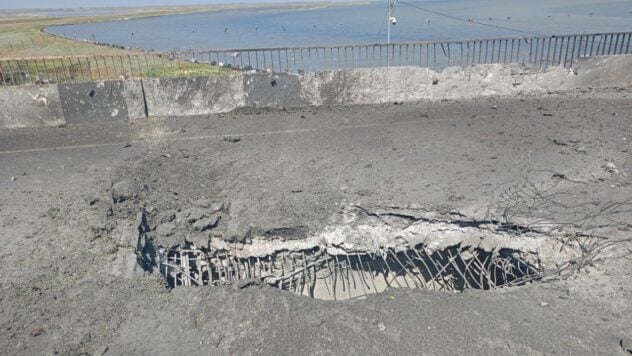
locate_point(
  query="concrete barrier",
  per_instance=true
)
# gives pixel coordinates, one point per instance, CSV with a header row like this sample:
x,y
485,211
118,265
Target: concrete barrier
x,y
193,96
50,105
30,106
134,94
279,90
608,71
93,102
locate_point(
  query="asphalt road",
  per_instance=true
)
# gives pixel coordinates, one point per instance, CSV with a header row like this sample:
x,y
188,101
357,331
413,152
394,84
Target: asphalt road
x,y
62,289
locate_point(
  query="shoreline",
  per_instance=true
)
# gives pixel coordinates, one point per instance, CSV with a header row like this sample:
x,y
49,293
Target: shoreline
x,y
17,29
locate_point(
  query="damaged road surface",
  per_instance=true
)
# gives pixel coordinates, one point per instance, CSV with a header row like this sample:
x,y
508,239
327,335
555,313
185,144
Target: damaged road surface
x,y
497,226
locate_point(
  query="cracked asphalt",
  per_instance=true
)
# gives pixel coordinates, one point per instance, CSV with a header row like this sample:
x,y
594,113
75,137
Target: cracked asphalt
x,y
63,290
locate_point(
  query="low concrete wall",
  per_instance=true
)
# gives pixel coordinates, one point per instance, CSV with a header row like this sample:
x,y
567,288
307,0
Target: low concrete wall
x,y
48,105
134,94
30,106
193,96
279,90
406,84
610,71
93,102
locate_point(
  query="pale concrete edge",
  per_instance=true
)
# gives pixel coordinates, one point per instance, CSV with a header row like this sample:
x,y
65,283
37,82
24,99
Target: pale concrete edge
x,y
41,105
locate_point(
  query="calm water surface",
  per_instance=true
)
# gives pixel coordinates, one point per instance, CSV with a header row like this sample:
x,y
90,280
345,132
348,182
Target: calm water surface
x,y
357,24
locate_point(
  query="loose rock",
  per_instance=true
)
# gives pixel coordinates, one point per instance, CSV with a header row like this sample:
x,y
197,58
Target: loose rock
x,y
122,190
206,223
165,229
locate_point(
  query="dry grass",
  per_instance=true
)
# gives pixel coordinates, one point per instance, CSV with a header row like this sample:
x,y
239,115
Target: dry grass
x,y
37,70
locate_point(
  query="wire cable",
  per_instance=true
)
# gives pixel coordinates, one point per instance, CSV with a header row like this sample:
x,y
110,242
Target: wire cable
x,y
470,21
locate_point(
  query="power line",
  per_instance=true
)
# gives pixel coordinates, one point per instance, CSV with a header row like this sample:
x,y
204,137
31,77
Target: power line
x,y
470,21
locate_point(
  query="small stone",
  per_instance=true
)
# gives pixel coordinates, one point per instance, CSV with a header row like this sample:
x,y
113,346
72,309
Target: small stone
x,y
544,304
210,204
92,201
37,332
122,190
611,168
181,216
381,326
165,229
206,223
13,178
166,216
232,139
195,214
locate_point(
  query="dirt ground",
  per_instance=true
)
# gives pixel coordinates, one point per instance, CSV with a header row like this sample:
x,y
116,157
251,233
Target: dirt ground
x,y
69,197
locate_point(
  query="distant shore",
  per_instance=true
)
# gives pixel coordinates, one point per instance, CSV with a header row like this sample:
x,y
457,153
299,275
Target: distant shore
x,y
22,32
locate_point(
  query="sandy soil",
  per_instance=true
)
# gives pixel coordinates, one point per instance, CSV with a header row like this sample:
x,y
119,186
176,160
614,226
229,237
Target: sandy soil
x,y
66,286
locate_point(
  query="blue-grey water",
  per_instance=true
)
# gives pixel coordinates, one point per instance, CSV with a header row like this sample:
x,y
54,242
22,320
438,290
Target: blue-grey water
x,y
359,24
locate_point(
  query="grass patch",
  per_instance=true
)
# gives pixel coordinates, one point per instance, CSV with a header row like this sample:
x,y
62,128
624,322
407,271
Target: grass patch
x,y
95,68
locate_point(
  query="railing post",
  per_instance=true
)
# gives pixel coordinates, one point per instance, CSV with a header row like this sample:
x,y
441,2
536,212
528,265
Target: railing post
x,y
37,71
3,74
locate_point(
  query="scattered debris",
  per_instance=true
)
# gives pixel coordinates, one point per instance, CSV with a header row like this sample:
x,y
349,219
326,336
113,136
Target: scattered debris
x,y
611,168
165,229
122,190
232,139
37,332
626,345
206,223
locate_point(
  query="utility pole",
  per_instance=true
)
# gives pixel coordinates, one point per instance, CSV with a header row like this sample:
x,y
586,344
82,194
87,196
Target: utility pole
x,y
392,20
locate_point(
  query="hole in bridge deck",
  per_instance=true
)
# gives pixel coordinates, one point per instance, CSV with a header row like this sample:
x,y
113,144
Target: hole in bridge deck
x,y
336,275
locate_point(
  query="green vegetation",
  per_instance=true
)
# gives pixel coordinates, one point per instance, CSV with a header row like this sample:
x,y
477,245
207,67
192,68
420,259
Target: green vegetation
x,y
101,67
29,55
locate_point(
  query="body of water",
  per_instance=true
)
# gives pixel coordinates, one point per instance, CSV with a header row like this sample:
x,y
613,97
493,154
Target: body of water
x,y
359,24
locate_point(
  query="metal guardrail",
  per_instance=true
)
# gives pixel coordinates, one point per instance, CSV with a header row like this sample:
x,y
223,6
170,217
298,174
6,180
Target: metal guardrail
x,y
536,52
73,69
